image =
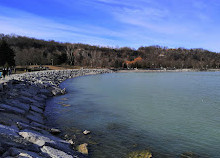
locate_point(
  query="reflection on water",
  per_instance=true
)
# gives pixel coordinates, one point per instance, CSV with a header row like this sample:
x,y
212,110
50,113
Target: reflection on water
x,y
168,113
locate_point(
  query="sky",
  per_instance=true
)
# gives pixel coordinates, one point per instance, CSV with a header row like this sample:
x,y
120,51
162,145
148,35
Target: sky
x,y
116,23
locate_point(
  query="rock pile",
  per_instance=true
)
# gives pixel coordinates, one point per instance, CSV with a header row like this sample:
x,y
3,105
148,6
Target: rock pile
x,y
23,132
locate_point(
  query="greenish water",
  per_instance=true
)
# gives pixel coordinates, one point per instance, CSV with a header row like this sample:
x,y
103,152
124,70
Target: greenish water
x,y
168,113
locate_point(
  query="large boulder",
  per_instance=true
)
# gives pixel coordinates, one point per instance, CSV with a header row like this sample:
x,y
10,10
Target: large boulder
x,y
12,109
39,105
45,92
16,103
23,126
11,119
42,96
45,139
55,153
36,109
38,125
35,137
9,137
13,93
27,100
35,118
26,94
6,131
16,152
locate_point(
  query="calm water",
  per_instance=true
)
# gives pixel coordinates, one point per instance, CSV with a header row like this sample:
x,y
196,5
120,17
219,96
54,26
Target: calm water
x,y
168,113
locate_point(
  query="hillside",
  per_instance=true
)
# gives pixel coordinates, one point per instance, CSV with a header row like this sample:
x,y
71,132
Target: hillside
x,y
30,51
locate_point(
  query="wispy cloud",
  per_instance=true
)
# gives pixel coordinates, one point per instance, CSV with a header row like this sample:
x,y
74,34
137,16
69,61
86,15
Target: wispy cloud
x,y
182,23
126,2
186,23
24,23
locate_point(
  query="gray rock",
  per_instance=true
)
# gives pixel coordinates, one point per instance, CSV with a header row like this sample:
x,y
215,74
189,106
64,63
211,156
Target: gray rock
x,y
6,155
38,125
55,131
86,132
9,118
35,118
36,114
12,109
13,94
45,92
63,91
37,109
34,137
39,105
71,142
56,91
42,96
29,92
27,100
55,153
26,94
23,153
9,137
23,126
18,104
33,90
44,139
39,99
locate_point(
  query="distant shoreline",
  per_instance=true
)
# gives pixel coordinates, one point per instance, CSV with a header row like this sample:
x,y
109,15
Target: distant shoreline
x,y
176,70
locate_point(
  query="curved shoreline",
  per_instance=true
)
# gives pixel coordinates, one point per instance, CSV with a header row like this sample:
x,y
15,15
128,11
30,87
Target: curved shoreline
x,y
23,132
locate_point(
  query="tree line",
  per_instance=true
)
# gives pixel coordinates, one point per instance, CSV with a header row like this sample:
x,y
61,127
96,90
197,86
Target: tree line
x,y
20,50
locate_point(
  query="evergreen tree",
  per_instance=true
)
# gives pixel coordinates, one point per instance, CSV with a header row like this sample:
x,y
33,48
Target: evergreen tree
x,y
6,54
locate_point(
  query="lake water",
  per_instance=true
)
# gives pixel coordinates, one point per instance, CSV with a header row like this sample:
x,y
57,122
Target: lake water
x,y
169,112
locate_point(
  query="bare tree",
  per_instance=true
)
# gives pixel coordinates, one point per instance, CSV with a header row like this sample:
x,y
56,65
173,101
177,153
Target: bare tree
x,y
70,53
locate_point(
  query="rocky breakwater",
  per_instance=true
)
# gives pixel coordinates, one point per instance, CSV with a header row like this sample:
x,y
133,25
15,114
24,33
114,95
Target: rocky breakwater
x,y
23,132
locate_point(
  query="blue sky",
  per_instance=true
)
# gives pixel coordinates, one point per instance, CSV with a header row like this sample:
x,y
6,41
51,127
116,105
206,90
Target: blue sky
x,y
115,23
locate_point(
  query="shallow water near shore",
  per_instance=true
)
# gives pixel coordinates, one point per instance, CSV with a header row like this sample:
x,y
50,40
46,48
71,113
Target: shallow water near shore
x,y
168,113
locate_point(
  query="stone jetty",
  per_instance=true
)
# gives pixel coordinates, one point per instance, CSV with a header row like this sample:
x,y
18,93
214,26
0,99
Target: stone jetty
x,y
23,132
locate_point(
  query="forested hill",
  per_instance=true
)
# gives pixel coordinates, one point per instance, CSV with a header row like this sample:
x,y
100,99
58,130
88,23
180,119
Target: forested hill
x,y
33,51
